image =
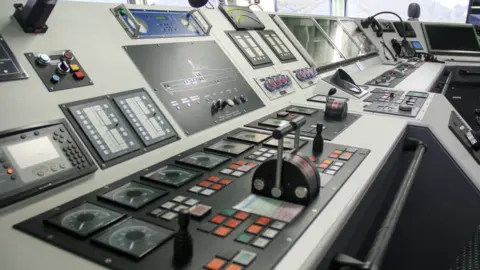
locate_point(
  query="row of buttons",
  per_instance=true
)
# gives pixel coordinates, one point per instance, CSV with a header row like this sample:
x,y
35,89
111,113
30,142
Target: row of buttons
x,y
277,82
343,154
329,166
209,186
262,154
10,171
237,258
304,74
239,168
168,210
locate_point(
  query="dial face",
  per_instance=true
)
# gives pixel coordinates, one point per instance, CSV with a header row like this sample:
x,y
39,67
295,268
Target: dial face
x,y
250,136
228,147
134,195
203,160
134,237
172,175
85,219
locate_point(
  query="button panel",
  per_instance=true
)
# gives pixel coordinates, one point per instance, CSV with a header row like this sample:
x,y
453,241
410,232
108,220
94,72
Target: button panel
x,y
276,85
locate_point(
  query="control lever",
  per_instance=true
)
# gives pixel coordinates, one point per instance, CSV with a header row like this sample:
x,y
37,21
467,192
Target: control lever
x,y
292,177
335,109
183,242
33,16
317,147
297,123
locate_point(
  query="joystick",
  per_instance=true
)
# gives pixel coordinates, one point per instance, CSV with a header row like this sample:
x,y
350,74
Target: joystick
x,y
292,177
335,109
317,147
183,242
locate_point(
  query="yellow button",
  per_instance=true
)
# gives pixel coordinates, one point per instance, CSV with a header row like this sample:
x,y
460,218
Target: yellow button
x,y
74,68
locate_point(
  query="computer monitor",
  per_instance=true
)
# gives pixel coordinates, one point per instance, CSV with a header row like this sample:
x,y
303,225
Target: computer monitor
x,y
451,39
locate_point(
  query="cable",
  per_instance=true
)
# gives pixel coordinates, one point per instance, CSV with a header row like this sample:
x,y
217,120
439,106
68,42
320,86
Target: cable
x,y
385,47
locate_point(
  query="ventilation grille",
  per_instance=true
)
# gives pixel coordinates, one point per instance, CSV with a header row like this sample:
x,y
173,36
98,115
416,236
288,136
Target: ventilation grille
x,y
468,258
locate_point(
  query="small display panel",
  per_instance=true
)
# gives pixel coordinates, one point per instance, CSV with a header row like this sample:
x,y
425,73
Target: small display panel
x,y
145,117
250,49
416,45
105,128
203,160
305,31
229,147
277,46
134,237
451,38
33,152
250,136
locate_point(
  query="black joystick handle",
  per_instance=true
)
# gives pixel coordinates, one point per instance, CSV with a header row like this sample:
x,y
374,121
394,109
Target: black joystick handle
x,y
332,91
296,124
318,141
183,242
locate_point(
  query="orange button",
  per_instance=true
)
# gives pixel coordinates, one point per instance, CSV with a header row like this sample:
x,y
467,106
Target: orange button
x,y
253,165
347,154
254,229
9,170
204,184
222,231
241,215
217,186
234,267
218,219
241,162
328,161
312,158
323,166
213,178
225,181
232,223
338,152
215,264
332,155
78,75
262,221
233,167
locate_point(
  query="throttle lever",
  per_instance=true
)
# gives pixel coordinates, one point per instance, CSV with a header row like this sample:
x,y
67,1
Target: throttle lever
x,y
296,124
279,134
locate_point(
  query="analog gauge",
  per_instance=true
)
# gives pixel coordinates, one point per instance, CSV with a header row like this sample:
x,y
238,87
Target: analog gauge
x,y
134,195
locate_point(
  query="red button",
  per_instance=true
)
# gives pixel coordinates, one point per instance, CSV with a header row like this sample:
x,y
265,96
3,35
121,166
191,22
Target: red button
x,y
78,75
334,155
225,181
222,231
204,184
241,162
233,167
213,178
234,267
215,264
262,221
253,165
218,219
313,158
254,229
232,223
217,186
241,215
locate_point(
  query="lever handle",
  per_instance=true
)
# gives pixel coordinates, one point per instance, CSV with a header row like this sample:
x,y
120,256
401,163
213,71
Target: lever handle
x,y
281,131
297,122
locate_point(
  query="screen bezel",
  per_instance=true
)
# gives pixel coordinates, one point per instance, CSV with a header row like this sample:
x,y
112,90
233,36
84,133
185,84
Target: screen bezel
x,y
449,52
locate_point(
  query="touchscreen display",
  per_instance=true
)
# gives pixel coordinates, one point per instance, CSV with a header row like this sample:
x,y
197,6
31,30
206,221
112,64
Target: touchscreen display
x,y
33,152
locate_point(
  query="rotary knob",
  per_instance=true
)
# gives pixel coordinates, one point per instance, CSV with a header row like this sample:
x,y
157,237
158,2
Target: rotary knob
x,y
217,104
270,85
236,100
63,67
300,74
43,59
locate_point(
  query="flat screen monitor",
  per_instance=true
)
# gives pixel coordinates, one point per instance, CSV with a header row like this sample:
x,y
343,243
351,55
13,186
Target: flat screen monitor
x,y
451,39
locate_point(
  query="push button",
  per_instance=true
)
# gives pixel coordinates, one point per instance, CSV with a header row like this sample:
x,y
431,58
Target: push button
x,y
215,264
222,231
55,79
218,219
260,242
227,254
234,267
207,227
74,68
262,221
228,212
200,211
78,75
245,238
10,171
225,182
254,229
241,215
233,223
245,258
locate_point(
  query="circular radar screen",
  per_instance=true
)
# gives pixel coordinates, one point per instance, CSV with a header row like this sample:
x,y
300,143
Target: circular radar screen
x,y
134,195
134,237
250,136
229,147
203,160
172,176
85,219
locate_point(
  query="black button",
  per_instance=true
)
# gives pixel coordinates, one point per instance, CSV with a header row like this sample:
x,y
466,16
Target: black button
x,y
55,138
69,148
76,150
79,156
60,141
74,147
74,162
6,165
79,166
62,129
65,149
13,177
83,159
55,133
84,165
70,158
61,137
69,140
23,136
36,133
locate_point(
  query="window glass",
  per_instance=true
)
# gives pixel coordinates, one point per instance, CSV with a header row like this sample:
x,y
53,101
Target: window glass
x,y
319,7
340,38
356,32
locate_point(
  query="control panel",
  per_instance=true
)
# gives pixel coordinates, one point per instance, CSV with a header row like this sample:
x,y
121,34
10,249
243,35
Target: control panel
x,y
151,23
255,55
169,212
10,69
409,31
59,70
119,127
40,157
395,76
305,77
277,46
393,102
469,138
199,90
241,17
277,85
331,128
387,27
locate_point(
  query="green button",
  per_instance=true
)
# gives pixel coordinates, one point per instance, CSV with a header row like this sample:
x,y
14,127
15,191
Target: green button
x,y
123,12
244,258
228,212
245,238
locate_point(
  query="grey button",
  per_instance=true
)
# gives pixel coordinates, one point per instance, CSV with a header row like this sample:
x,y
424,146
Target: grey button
x,y
6,165
62,129
54,168
36,133
62,166
13,177
40,174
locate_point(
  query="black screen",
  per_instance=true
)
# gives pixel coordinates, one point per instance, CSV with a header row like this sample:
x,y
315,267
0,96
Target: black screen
x,y
452,37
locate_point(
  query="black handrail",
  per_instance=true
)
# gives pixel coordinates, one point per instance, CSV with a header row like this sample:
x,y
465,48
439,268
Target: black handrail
x,y
377,251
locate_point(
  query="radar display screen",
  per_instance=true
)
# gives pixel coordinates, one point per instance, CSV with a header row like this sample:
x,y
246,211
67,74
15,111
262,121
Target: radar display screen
x,y
451,38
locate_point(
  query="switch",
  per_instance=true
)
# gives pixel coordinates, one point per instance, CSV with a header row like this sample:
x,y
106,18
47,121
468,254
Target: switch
x,y
74,67
78,75
55,79
63,68
10,171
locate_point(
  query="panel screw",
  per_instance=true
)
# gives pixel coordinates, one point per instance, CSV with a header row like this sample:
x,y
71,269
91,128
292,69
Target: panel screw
x,y
108,260
106,187
56,209
50,236
289,239
51,88
90,82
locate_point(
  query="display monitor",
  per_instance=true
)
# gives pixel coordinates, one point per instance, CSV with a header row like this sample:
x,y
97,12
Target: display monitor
x,y
451,39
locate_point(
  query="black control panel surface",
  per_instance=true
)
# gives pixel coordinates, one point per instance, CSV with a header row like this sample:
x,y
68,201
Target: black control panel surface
x,y
468,137
198,85
37,158
331,128
395,102
396,75
255,55
119,127
10,69
241,17
133,223
59,70
277,46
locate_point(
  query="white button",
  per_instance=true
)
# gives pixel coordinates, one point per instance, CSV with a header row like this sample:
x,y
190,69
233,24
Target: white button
x,y
207,192
195,189
179,199
168,205
191,202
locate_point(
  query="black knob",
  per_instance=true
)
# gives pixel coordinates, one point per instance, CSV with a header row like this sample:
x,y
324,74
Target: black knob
x,y
392,94
332,91
236,100
243,98
318,141
183,242
217,104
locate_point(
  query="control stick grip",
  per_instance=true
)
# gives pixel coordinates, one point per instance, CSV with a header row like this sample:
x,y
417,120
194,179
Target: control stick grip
x,y
281,131
297,122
